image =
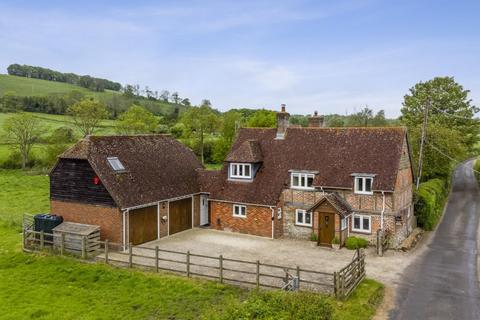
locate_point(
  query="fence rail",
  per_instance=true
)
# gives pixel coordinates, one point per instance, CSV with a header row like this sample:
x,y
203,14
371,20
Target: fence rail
x,y
223,269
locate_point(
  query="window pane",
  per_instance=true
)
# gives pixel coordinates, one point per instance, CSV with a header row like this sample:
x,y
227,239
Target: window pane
x,y
235,210
234,169
295,180
244,209
240,170
360,184
299,216
247,170
302,181
308,218
309,181
356,222
368,184
366,224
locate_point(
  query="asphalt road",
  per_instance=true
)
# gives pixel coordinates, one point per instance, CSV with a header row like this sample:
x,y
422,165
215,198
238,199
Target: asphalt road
x,y
442,282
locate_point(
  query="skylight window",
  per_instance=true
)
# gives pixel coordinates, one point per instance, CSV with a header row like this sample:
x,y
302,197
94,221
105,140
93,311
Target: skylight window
x,y
115,164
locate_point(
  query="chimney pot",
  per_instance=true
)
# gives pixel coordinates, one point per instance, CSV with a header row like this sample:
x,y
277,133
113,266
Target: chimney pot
x,y
283,107
316,113
315,121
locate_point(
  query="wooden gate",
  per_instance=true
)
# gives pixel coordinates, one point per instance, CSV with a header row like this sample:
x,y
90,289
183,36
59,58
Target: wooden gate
x,y
180,215
350,276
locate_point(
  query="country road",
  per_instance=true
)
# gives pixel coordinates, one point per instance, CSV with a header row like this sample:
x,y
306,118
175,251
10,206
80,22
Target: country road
x,y
442,282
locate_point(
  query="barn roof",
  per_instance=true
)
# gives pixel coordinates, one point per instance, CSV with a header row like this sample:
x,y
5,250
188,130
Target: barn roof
x,y
335,153
157,167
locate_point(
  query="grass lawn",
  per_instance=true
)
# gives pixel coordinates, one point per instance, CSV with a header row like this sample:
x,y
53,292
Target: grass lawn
x,y
50,287
23,86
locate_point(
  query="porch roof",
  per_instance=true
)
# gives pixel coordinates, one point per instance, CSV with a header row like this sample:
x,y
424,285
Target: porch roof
x,y
336,201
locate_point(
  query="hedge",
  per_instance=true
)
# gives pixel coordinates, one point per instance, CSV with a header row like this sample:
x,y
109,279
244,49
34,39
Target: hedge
x,y
429,201
353,243
476,167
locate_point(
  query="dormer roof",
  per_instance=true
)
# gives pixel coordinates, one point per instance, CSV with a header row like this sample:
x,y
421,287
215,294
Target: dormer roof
x,y
249,151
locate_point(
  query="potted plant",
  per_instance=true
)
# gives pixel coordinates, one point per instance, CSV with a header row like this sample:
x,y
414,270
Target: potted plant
x,y
336,243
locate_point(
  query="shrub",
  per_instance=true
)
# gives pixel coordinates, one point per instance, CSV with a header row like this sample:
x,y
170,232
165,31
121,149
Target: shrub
x,y
14,161
336,241
476,167
353,243
313,237
280,305
429,201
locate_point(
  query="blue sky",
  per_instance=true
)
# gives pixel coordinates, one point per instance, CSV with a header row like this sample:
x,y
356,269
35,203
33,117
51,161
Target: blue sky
x,y
330,56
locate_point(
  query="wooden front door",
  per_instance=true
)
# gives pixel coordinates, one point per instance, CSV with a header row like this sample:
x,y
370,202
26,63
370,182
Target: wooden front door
x,y
180,215
142,225
326,228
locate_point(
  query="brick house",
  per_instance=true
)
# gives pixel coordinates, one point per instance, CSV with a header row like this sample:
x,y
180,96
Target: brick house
x,y
329,182
277,182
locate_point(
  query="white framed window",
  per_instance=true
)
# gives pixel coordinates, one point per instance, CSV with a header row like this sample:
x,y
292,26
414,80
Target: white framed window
x,y
239,211
302,180
115,164
363,185
241,170
344,223
362,223
279,213
303,218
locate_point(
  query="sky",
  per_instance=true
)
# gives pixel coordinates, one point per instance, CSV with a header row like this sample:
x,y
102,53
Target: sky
x,y
330,56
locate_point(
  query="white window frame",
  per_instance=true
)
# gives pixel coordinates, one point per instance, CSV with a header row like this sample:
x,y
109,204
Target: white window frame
x,y
240,208
364,180
300,176
114,162
304,214
344,223
361,229
242,166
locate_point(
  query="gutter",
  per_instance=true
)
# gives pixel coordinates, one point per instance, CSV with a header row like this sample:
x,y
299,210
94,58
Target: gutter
x,y
273,222
383,210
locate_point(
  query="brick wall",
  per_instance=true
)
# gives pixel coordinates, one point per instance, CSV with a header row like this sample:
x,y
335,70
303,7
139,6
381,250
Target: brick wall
x,y
108,218
257,222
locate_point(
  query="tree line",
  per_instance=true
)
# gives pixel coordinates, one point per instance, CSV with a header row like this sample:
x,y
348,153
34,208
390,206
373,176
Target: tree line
x,y
86,81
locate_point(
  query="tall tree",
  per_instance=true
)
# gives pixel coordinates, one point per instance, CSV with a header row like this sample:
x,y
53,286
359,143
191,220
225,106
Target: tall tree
x,y
136,120
449,107
198,122
361,118
231,121
262,119
87,115
175,97
23,130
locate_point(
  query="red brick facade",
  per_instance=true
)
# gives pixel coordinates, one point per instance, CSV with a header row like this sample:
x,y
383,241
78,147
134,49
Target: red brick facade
x,y
108,218
257,222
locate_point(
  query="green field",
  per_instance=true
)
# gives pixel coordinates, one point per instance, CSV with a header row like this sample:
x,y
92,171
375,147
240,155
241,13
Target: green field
x,y
22,86
41,286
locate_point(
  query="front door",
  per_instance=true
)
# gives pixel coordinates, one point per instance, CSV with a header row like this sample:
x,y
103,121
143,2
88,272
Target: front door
x,y
326,228
203,210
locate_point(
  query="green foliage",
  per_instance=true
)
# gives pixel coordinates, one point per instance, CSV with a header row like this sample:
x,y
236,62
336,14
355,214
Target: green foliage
x,y
220,150
336,240
298,119
262,119
136,120
87,115
429,200
450,107
476,167
314,237
22,130
62,135
279,305
353,243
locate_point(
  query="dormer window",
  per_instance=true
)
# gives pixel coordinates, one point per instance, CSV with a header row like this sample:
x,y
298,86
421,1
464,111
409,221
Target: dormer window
x,y
302,180
240,171
363,184
115,164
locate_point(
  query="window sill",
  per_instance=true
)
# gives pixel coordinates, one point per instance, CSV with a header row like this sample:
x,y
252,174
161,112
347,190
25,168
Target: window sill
x,y
303,225
243,217
362,231
302,189
364,193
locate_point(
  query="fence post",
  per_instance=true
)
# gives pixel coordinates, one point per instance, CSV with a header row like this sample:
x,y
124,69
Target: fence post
x,y
188,263
298,278
130,255
335,284
106,251
62,243
84,247
156,259
220,268
258,274
24,238
42,240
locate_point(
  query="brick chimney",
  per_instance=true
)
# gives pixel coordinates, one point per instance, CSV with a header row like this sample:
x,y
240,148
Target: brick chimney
x,y
315,121
282,122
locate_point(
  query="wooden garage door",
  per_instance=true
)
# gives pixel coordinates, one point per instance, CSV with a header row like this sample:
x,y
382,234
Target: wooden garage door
x,y
143,225
180,215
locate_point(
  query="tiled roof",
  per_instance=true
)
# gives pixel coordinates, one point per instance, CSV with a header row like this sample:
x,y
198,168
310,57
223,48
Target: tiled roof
x,y
340,204
156,167
335,153
249,151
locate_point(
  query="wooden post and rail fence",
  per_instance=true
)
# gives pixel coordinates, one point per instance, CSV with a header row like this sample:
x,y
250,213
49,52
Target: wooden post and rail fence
x,y
225,270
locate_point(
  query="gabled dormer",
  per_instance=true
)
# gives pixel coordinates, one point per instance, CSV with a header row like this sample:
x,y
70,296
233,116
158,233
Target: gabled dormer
x,y
244,161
